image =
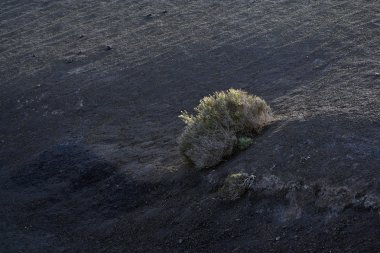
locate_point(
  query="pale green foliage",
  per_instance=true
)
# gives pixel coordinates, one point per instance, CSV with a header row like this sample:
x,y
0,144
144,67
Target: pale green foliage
x,y
211,134
244,142
235,110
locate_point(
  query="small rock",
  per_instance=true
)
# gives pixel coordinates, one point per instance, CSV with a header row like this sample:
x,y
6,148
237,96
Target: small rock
x,y
108,48
278,238
69,60
149,16
318,63
180,241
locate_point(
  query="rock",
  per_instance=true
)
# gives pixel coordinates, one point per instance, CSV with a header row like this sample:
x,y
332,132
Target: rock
x,y
334,198
370,203
318,63
108,48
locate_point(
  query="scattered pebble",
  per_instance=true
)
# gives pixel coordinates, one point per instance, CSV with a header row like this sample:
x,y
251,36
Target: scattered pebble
x,y
151,15
108,48
278,238
57,112
305,158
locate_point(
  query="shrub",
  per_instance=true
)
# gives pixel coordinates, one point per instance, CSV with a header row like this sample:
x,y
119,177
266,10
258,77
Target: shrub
x,y
216,130
235,185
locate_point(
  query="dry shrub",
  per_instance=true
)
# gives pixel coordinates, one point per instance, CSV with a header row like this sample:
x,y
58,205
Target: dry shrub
x,y
220,120
235,185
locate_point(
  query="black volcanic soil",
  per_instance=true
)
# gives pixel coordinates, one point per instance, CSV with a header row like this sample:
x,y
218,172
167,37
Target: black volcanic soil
x,y
90,94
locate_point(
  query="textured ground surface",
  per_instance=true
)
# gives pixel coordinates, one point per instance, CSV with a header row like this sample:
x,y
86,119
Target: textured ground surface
x,y
90,93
